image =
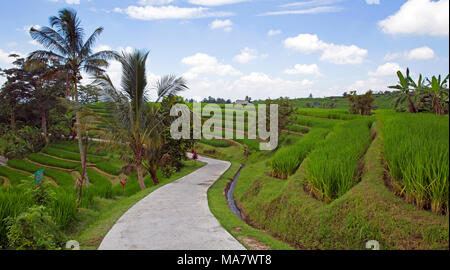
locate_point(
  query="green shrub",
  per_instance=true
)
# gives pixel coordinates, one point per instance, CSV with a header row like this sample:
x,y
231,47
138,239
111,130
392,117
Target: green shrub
x,y
13,201
33,229
215,142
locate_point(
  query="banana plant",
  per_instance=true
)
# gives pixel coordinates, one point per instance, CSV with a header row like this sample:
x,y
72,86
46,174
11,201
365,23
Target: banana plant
x,y
438,92
405,93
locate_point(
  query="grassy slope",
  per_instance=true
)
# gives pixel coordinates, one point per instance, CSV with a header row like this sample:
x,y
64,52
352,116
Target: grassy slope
x,y
381,101
369,211
250,237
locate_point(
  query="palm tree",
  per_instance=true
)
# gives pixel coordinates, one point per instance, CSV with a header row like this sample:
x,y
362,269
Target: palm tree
x,y
65,44
438,91
405,93
139,122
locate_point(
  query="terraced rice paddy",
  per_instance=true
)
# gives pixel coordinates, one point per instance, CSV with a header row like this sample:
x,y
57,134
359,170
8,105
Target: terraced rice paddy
x,y
416,149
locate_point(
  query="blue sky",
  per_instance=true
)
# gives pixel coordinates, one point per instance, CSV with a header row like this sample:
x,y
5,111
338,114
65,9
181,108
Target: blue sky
x,y
259,48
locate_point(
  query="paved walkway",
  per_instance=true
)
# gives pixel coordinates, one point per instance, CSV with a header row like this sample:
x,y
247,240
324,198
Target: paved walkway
x,y
3,161
174,217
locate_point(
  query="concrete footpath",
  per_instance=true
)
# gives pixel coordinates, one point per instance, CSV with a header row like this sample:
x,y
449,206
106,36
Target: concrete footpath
x,y
174,217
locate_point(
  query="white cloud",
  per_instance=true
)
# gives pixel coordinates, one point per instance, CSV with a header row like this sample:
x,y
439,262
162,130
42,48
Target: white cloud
x,y
419,17
312,69
34,43
204,64
222,24
27,28
375,84
305,43
256,85
337,54
373,2
311,3
314,10
70,2
422,53
155,2
215,2
273,32
5,59
246,55
387,69
169,12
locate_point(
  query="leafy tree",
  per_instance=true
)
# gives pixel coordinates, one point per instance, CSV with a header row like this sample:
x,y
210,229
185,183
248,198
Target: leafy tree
x,y
64,40
285,111
362,104
16,88
47,82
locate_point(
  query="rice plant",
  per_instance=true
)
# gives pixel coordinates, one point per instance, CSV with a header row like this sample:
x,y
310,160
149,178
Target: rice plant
x,y
53,162
69,155
297,128
286,161
416,148
331,168
328,113
316,122
13,176
61,178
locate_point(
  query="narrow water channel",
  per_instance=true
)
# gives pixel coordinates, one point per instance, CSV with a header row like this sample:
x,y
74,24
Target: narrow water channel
x,y
230,198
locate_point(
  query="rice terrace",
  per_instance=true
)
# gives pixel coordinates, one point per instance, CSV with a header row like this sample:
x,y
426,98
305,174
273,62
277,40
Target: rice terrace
x,y
270,131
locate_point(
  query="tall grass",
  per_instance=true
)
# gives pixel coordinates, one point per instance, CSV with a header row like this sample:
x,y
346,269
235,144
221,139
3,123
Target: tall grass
x,y
416,148
100,185
331,168
53,162
286,161
109,167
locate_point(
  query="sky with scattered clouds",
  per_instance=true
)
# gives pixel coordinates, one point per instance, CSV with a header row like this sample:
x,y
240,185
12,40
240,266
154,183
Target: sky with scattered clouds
x,y
256,48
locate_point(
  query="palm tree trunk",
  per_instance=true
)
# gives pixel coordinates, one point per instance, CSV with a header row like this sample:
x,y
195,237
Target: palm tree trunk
x,y
140,177
80,140
13,120
44,124
67,85
154,176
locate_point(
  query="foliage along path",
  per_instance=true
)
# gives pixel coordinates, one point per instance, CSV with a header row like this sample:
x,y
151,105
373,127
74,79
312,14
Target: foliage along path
x,y
174,217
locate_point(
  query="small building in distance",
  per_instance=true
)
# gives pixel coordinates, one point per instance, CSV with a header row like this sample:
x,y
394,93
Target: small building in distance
x,y
243,102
